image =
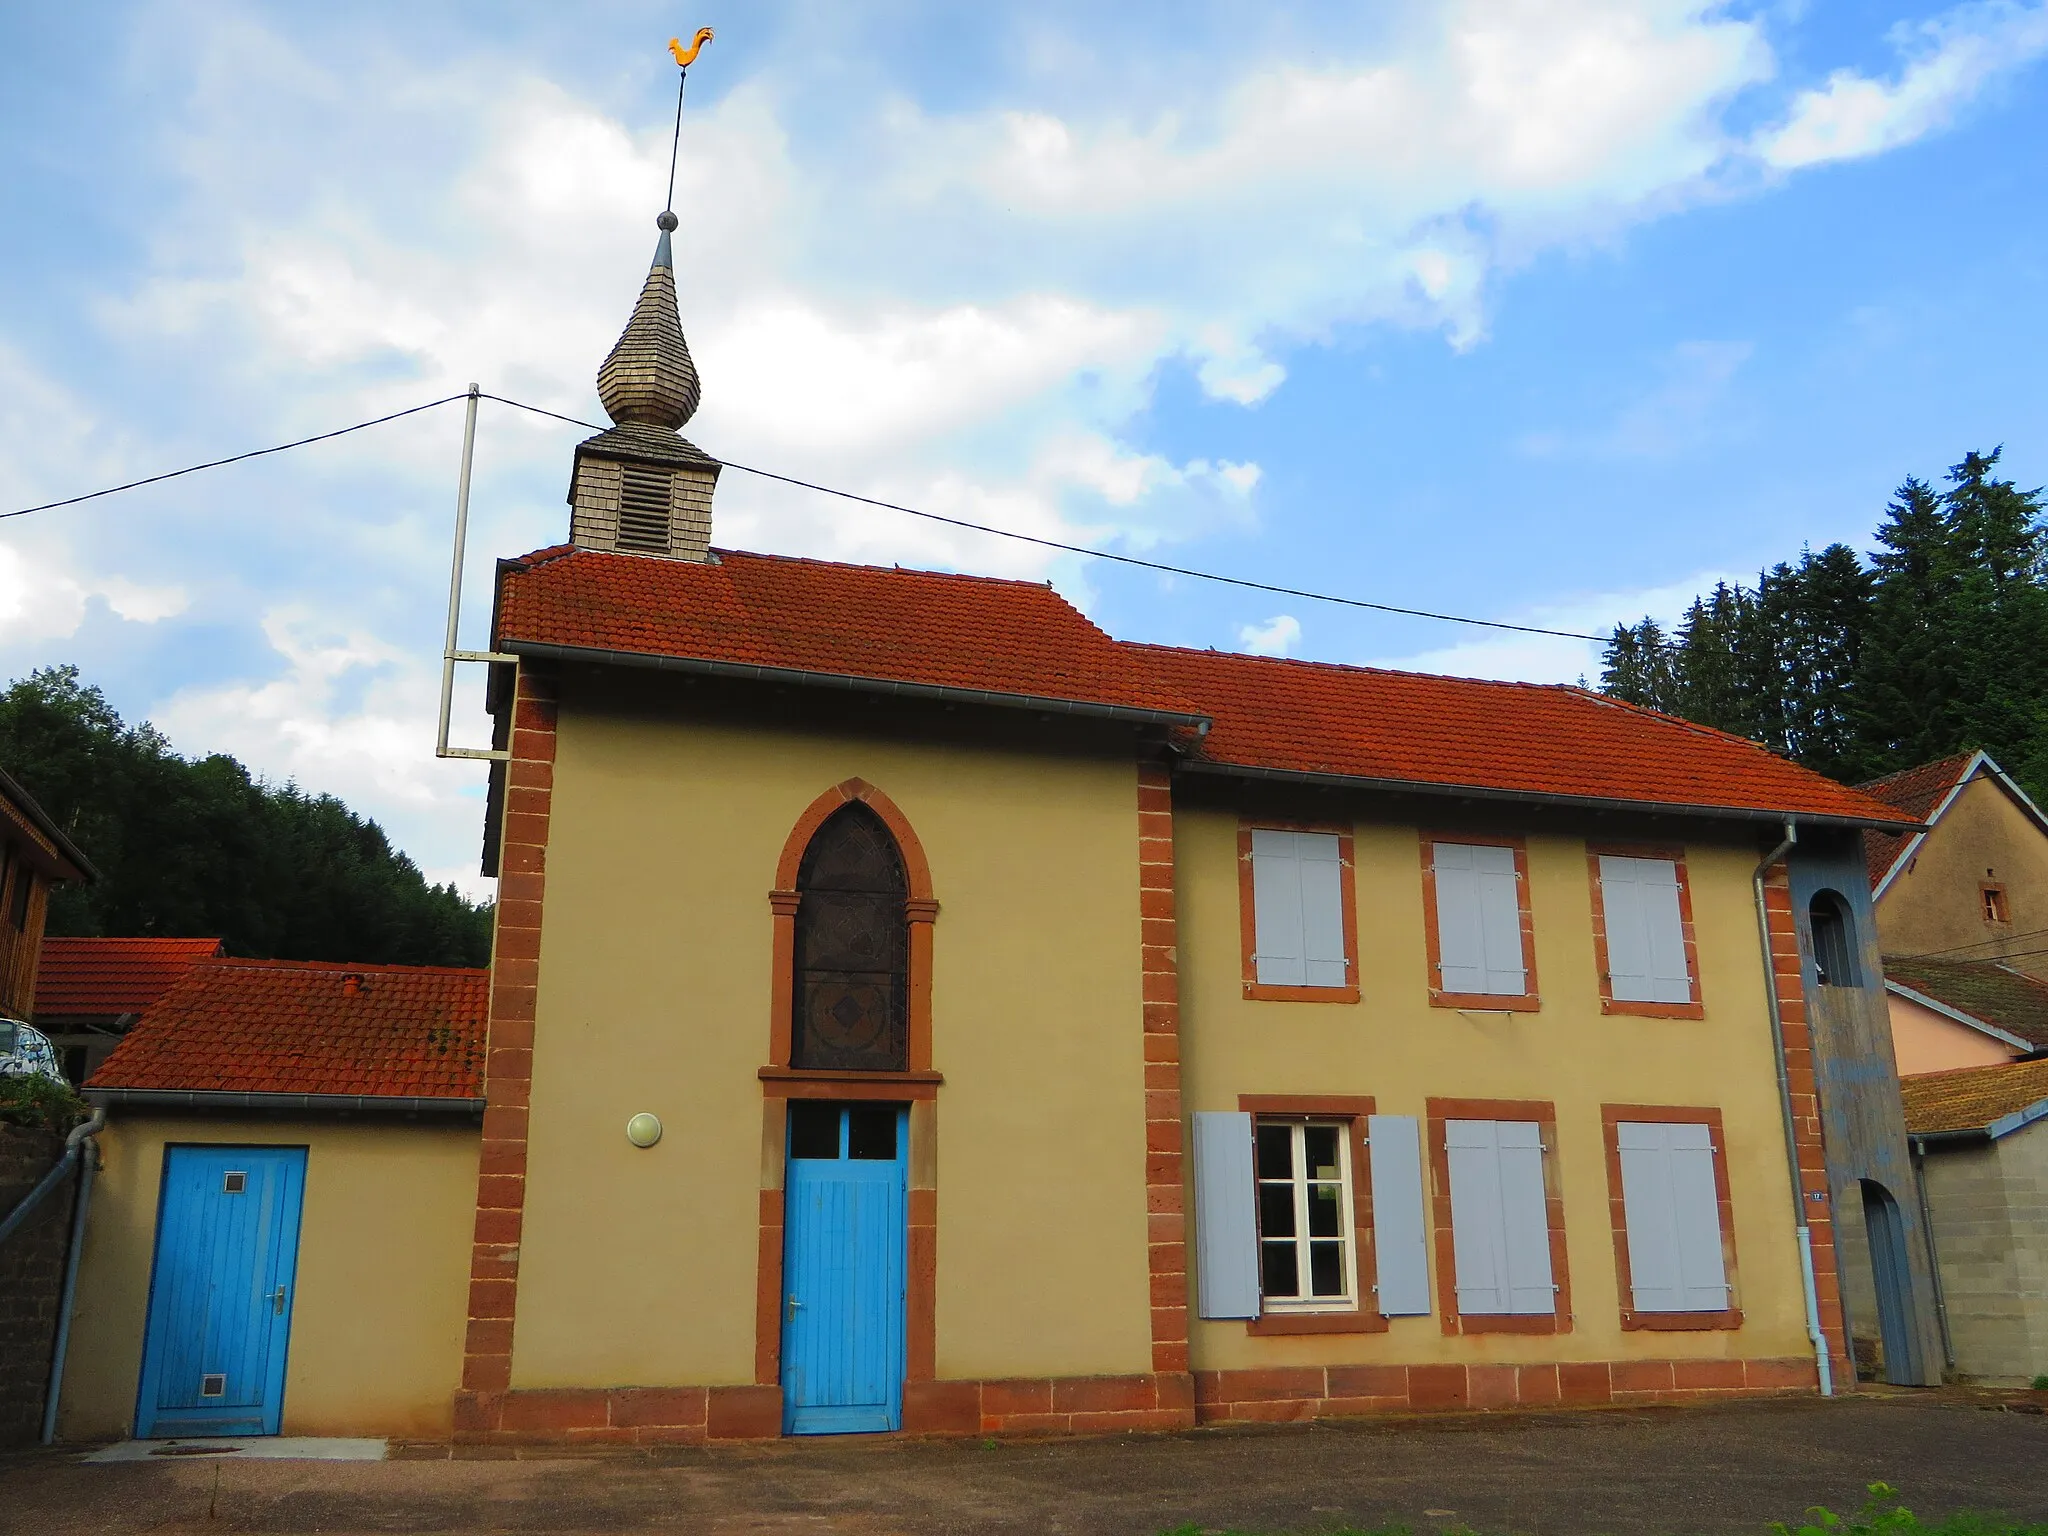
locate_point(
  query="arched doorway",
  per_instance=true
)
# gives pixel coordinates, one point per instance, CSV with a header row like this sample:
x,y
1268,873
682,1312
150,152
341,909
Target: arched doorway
x,y
1892,1279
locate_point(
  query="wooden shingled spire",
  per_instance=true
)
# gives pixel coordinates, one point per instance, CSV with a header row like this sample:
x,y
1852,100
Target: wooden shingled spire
x,y
648,378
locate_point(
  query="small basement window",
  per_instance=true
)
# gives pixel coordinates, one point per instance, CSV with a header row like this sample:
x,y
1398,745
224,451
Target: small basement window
x,y
1834,947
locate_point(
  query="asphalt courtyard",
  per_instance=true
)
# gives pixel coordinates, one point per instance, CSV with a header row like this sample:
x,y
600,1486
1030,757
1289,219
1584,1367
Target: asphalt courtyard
x,y
1726,1468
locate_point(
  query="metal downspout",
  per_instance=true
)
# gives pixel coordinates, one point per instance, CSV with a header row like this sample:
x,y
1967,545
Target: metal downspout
x,y
1948,1343
89,1153
1763,928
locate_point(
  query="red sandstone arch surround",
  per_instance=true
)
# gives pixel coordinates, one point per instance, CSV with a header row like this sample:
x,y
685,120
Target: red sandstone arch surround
x,y
918,1087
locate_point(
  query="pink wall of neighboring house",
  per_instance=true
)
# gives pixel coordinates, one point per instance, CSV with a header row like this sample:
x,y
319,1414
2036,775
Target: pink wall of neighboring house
x,y
1924,1041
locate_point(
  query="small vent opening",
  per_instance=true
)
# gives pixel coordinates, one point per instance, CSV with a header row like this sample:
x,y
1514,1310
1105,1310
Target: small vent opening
x,y
233,1183
644,511
214,1385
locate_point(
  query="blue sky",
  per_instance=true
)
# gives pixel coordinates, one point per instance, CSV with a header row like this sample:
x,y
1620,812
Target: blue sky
x,y
1548,312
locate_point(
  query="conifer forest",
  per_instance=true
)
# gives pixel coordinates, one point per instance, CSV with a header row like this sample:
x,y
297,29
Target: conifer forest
x,y
1936,643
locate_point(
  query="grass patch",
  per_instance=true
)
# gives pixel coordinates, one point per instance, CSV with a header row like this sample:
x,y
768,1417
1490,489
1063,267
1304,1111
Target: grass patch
x,y
1881,1515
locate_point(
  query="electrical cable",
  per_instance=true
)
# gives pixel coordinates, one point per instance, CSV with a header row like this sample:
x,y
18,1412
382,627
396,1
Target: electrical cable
x,y
254,453
1103,554
1190,572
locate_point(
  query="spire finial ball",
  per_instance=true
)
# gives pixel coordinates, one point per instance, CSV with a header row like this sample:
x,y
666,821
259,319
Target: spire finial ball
x,y
667,223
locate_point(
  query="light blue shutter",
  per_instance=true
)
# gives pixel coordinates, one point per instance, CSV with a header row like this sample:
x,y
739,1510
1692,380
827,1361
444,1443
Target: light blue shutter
x,y
1479,919
1526,1217
1645,932
1673,1214
1399,1234
1500,1228
1226,1222
1478,1242
1322,908
1279,956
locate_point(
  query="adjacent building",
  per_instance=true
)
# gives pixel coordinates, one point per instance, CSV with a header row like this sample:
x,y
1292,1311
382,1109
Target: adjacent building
x,y
1982,1137
90,991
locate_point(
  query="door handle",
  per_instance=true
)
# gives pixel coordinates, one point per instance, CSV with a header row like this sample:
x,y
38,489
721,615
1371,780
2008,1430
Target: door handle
x,y
277,1303
793,1305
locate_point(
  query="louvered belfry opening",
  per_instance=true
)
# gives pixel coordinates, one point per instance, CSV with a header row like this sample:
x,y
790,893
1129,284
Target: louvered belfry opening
x,y
644,511
852,949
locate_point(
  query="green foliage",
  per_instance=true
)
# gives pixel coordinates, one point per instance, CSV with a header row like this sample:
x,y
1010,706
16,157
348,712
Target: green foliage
x,y
1883,1515
35,1100
1939,644
203,849
2040,1383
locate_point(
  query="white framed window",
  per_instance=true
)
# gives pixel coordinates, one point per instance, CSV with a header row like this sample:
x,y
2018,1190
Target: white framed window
x,y
1500,1221
1298,909
1645,928
1671,1205
1308,1256
1478,919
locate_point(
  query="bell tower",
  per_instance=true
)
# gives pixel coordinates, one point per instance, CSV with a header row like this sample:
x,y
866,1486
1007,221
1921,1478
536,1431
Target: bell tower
x,y
642,488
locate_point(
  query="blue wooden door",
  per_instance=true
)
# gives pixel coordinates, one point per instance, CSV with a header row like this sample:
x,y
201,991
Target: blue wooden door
x,y
843,1262
220,1296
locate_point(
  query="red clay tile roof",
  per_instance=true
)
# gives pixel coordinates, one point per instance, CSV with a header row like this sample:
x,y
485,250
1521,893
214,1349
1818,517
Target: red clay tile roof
x,y
1916,791
1514,738
1023,639
288,1026
1971,1098
1984,989
104,978
865,621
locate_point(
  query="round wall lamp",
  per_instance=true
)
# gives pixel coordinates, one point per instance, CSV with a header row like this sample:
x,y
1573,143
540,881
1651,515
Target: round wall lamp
x,y
643,1130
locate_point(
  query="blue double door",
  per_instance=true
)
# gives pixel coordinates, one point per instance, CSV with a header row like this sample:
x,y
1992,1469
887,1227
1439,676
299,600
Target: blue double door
x,y
845,1255
220,1294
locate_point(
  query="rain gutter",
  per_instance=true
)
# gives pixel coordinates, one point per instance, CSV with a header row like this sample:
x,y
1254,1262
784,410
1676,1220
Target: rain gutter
x,y
1524,796
696,666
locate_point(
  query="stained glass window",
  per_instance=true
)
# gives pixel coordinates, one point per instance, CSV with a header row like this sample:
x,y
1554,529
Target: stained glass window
x,y
852,949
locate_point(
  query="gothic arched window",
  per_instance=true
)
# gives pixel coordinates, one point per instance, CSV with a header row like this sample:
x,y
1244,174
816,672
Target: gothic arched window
x,y
852,988
1834,943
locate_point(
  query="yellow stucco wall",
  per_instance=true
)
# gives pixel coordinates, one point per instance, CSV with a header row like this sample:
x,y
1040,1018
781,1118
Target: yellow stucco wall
x,y
1925,1041
382,1284
1933,904
639,1267
1395,1047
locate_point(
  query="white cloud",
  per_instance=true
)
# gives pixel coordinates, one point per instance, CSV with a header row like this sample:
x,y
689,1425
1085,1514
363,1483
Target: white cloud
x,y
1278,636
346,714
1557,658
1948,61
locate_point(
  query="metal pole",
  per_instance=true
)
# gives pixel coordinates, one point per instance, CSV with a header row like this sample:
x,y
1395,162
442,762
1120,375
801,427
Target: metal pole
x,y
455,570
68,1298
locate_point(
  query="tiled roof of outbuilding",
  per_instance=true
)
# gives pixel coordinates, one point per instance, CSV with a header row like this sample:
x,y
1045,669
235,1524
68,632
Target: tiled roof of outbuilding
x,y
104,978
1022,639
292,1026
1916,791
1972,1098
1984,989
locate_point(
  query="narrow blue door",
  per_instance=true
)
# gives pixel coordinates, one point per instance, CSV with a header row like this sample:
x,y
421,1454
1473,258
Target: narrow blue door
x,y
844,1254
220,1297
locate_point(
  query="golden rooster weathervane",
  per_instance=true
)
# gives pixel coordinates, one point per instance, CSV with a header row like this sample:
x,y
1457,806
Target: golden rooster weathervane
x,y
685,57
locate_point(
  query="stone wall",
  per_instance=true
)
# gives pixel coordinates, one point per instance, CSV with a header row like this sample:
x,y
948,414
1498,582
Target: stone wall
x,y
31,1276
1990,1204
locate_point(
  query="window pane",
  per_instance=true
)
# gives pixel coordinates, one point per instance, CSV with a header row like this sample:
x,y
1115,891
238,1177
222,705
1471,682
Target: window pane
x,y
813,1129
1325,1211
1326,1268
1276,1151
1279,1275
1321,1143
1276,1210
871,1133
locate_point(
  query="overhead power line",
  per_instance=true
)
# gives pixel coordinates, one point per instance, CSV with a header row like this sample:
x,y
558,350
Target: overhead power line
x,y
1103,554
253,453
1241,582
